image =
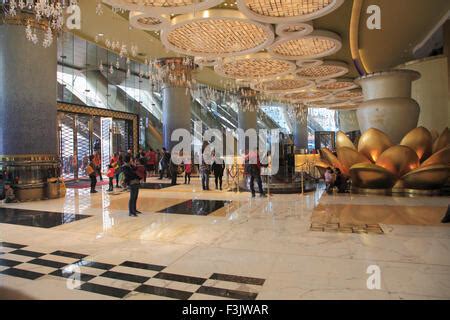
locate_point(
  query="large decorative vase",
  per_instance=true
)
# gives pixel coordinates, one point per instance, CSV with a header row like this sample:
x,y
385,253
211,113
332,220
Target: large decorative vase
x,y
388,105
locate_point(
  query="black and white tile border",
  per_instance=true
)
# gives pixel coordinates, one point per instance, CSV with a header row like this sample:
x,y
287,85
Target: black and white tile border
x,y
136,275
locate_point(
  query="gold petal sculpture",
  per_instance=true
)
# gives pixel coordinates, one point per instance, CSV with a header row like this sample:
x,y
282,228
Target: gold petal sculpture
x,y
441,157
427,178
371,176
442,142
348,157
343,141
399,160
329,157
373,143
421,141
379,165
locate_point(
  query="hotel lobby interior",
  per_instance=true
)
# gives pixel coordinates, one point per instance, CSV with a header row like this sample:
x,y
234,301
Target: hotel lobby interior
x,y
344,104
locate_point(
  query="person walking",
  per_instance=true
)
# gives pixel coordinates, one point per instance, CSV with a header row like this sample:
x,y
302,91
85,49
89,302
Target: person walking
x,y
254,169
205,171
187,171
165,161
118,169
98,164
218,166
92,173
133,183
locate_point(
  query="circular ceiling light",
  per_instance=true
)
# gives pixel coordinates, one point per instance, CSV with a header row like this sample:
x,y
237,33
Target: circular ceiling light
x,y
146,21
276,11
206,62
328,70
254,66
216,33
344,85
316,45
294,28
350,95
309,63
156,7
285,84
308,96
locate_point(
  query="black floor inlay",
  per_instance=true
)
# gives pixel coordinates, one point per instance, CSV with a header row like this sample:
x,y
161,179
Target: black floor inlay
x,y
27,253
139,265
66,254
41,219
136,283
165,292
155,186
48,263
196,207
31,275
125,276
66,274
11,245
180,278
238,279
96,265
105,290
9,263
225,293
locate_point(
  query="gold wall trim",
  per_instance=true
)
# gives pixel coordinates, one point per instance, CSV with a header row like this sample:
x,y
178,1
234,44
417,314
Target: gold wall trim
x,y
354,34
92,111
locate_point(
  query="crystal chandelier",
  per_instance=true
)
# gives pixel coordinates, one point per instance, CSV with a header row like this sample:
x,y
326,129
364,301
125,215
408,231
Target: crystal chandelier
x,y
47,15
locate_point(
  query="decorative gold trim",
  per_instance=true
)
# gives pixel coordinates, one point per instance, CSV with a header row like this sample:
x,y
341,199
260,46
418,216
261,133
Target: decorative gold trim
x,y
354,34
92,111
23,19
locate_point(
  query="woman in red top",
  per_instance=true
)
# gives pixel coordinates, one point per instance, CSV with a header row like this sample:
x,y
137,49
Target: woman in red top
x,y
151,160
187,172
140,169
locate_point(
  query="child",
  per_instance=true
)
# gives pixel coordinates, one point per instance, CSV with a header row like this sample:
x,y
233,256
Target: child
x,y
111,173
187,172
9,194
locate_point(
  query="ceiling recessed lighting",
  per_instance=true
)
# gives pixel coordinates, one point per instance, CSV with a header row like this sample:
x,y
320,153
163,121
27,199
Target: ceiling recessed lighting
x,y
101,34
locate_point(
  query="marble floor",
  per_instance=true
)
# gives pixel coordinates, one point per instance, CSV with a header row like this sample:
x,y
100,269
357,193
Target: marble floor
x,y
194,244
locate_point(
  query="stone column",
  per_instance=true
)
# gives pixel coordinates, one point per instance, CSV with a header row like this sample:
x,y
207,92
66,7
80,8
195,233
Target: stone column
x,y
176,98
28,127
247,114
388,105
301,131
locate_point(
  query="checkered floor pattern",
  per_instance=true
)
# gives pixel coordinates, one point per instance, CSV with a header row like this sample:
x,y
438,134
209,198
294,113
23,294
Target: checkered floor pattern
x,y
122,280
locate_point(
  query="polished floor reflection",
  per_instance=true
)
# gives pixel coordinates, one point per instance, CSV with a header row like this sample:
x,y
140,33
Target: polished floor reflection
x,y
196,207
40,219
248,249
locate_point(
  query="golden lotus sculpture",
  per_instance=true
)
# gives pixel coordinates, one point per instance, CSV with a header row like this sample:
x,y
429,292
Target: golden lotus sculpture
x,y
420,162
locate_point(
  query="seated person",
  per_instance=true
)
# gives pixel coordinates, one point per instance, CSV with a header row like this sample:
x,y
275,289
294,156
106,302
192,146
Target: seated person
x,y
329,180
10,197
341,182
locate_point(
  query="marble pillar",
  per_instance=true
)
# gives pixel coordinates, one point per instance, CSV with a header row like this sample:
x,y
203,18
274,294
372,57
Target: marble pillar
x,y
301,132
28,126
388,105
176,99
247,115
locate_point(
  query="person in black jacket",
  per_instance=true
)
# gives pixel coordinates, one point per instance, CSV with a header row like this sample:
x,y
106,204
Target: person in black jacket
x,y
218,167
133,183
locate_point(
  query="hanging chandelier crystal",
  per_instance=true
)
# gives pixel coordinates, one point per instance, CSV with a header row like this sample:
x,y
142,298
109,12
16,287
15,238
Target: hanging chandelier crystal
x,y
46,15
